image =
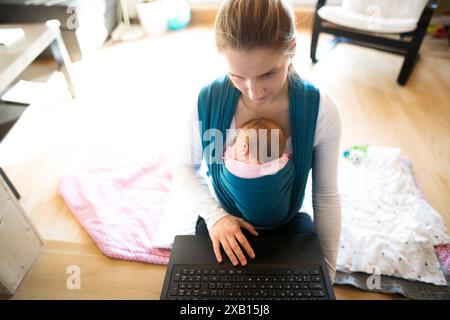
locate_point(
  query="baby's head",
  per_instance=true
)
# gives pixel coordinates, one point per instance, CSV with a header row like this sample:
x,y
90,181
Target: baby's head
x,y
258,141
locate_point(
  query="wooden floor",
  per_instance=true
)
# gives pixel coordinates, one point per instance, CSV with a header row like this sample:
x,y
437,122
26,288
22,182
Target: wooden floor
x,y
131,99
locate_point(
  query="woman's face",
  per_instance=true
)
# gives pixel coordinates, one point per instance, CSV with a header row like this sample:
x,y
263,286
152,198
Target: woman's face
x,y
260,74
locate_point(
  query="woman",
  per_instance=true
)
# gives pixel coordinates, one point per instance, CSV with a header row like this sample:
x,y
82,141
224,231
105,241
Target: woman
x,y
257,39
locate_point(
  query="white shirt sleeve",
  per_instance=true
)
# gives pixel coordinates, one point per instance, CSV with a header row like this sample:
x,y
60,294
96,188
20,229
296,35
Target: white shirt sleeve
x,y
326,199
188,172
325,193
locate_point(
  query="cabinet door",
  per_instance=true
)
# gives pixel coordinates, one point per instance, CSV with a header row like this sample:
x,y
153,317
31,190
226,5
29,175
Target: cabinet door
x,y
20,242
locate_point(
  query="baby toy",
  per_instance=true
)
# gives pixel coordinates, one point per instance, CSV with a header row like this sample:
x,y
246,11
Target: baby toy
x,y
356,154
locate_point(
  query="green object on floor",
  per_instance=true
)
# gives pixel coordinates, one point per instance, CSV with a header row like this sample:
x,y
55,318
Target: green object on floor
x,y
356,153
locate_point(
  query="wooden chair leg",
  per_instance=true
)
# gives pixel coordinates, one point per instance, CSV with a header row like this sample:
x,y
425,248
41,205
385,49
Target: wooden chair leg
x,y
315,39
407,67
411,55
416,42
316,30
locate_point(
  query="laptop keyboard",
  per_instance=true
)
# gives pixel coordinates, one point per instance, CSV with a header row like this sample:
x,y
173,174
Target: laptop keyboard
x,y
249,283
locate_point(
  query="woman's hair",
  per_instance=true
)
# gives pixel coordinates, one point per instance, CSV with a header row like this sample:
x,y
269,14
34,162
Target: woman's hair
x,y
249,24
269,125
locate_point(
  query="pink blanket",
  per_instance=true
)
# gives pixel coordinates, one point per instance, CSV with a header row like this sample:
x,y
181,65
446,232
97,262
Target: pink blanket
x,y
121,207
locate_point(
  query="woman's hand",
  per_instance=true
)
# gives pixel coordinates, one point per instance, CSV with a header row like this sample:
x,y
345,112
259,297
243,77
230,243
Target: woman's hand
x,y
227,232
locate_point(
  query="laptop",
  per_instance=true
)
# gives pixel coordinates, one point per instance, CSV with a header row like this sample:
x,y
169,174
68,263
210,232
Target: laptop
x,y
290,267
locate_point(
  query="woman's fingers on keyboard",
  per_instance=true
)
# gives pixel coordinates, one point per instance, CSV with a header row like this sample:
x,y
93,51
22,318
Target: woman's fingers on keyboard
x,y
244,243
229,251
237,250
216,246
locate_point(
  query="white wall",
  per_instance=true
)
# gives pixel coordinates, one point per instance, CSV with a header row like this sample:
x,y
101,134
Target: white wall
x,y
306,3
303,3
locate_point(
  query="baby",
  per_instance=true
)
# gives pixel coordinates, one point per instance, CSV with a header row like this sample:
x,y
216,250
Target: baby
x,y
253,153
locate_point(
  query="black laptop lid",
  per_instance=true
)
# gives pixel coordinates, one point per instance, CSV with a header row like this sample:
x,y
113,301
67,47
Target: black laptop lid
x,y
293,249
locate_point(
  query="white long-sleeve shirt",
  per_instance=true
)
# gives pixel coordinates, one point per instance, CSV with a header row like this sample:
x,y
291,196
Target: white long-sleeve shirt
x,y
325,194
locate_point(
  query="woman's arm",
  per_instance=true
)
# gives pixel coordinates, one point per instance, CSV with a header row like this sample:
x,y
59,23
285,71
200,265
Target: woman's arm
x,y
189,175
325,193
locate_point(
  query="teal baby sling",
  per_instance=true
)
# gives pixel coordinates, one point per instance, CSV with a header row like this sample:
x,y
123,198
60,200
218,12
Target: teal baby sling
x,y
271,200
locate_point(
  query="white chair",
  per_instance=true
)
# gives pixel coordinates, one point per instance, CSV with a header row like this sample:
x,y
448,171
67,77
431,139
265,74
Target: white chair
x,y
372,23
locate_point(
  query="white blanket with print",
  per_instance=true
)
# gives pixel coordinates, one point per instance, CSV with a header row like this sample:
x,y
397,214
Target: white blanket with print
x,y
387,225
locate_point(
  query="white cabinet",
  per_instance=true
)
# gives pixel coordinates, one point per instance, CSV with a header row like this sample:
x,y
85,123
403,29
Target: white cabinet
x,y
20,242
